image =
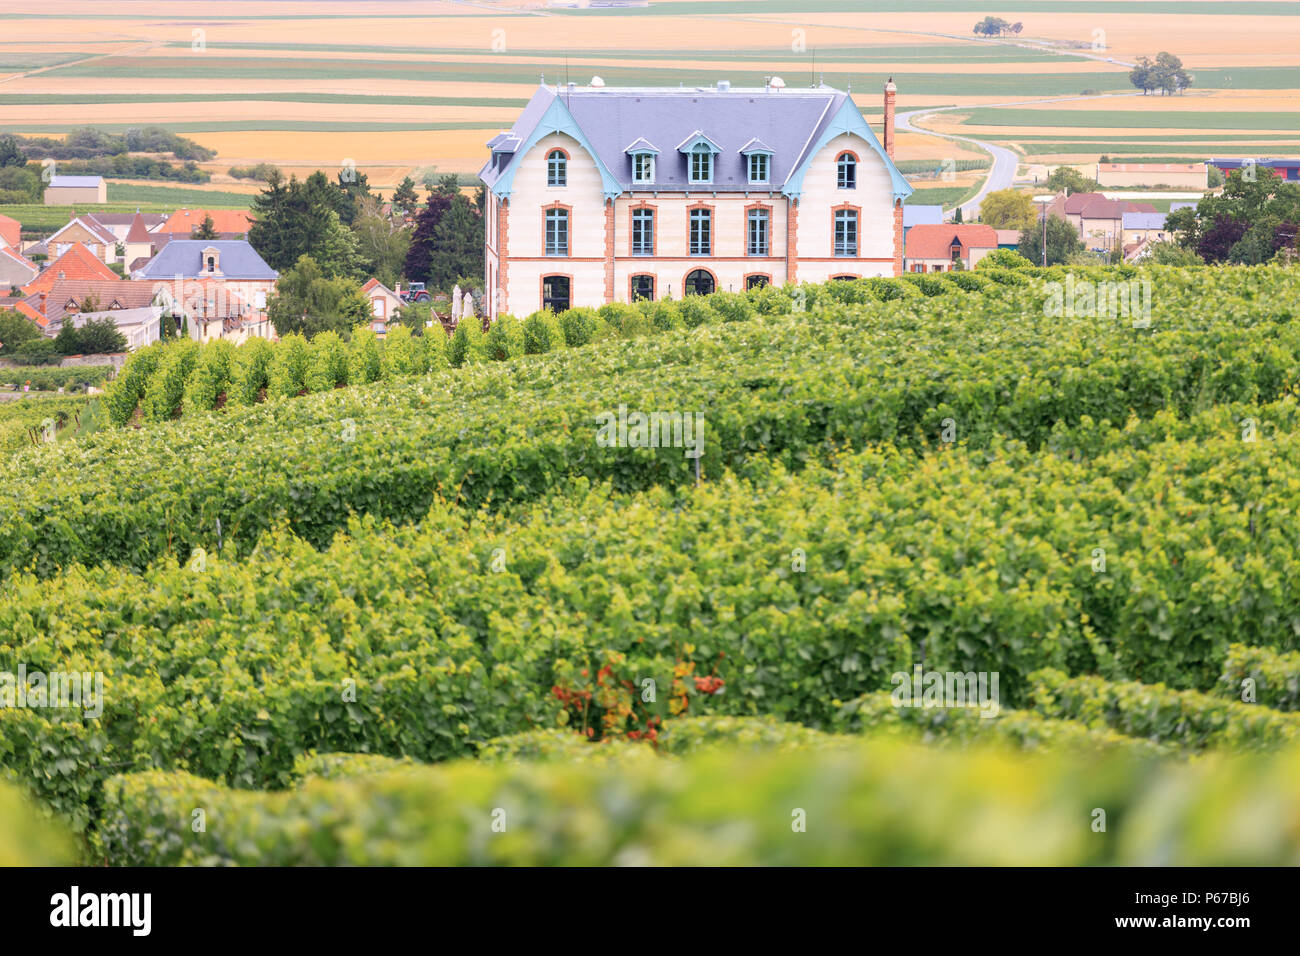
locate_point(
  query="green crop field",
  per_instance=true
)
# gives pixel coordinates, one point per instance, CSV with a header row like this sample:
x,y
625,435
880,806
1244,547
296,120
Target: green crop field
x,y
370,580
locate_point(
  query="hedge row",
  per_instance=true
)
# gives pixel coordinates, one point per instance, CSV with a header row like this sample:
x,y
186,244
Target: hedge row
x,y
72,378
784,594
792,386
878,803
217,373
1186,718
1274,677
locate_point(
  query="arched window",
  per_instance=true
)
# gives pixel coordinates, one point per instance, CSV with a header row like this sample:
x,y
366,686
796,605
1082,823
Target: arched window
x,y
557,168
756,281
699,282
843,278
643,287
847,171
555,293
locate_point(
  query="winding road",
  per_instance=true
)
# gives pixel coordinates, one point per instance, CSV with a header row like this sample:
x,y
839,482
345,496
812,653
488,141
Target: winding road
x,y
1005,161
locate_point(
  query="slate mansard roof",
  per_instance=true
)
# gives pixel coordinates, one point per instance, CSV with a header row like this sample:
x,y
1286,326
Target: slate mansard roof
x,y
184,257
793,124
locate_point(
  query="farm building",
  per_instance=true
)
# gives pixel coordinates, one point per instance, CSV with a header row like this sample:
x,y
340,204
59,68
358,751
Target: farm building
x,y
940,248
70,190
600,195
1288,169
1184,175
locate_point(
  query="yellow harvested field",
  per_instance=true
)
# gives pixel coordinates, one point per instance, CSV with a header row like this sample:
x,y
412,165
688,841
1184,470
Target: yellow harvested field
x,y
449,149
496,49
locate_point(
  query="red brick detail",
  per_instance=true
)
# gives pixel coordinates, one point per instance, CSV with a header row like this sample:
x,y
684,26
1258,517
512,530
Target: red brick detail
x,y
889,121
898,237
500,302
792,242
609,250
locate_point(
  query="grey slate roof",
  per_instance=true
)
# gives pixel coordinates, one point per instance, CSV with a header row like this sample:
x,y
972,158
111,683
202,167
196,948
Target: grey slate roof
x,y
919,215
788,122
184,257
1144,220
77,182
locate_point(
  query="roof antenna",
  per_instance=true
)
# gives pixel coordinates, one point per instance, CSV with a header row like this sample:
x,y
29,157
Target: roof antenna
x,y
813,72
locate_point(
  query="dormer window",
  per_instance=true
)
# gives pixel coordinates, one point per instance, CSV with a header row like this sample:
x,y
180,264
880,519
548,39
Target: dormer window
x,y
699,151
557,168
643,168
758,161
701,165
210,264
642,153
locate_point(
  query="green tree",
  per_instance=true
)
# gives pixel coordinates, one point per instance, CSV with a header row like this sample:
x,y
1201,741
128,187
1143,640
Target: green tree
x,y
308,301
382,242
19,184
207,229
1172,254
1170,76
405,199
1007,209
1062,242
419,257
15,329
1143,75
1070,180
297,219
11,153
992,27
457,244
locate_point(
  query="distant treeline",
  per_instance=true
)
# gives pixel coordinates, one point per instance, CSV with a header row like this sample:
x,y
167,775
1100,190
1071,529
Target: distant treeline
x,y
134,167
89,142
261,172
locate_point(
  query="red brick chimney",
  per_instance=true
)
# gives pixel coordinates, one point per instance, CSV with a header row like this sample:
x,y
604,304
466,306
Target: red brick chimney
x,y
890,91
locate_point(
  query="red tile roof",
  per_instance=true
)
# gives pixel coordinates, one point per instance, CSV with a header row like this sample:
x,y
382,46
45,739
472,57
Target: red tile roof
x,y
139,231
77,263
931,241
183,222
110,295
11,232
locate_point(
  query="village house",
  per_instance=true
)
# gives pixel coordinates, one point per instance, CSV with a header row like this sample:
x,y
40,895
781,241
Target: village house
x,y
77,262
384,303
75,190
140,326
948,246
220,286
76,296
599,195
83,230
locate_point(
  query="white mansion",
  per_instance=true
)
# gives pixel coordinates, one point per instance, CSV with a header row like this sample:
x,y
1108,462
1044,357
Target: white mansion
x,y
600,195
